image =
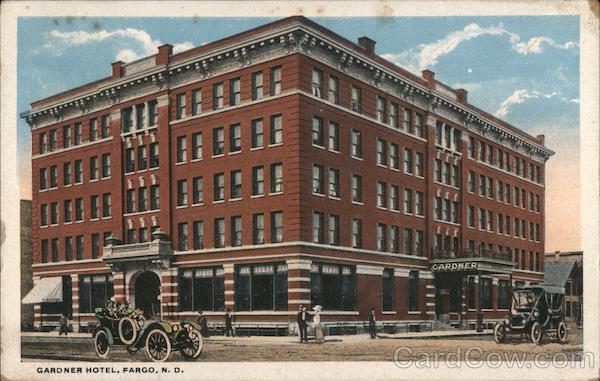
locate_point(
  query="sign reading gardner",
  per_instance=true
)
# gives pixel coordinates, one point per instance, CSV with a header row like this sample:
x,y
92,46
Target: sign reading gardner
x,y
454,266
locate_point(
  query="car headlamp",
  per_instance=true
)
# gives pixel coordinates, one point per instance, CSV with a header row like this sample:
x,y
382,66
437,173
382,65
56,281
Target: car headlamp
x,y
176,327
190,328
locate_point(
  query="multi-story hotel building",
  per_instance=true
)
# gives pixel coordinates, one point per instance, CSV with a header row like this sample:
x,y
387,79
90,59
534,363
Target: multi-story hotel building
x,y
280,167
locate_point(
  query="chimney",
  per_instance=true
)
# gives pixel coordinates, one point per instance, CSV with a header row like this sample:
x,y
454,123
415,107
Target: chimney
x,y
429,77
117,69
164,51
461,96
556,255
367,44
541,138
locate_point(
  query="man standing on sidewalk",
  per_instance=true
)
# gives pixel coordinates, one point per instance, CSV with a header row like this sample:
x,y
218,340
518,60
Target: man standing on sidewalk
x,y
372,324
64,325
228,323
302,318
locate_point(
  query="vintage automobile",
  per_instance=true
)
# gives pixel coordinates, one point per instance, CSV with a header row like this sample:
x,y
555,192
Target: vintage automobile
x,y
536,311
158,337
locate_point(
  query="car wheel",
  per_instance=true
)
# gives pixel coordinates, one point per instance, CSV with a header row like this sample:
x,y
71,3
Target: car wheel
x,y
101,344
535,332
499,333
192,345
127,330
561,332
158,345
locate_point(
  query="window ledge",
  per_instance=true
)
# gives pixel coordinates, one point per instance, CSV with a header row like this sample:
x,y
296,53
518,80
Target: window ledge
x,y
318,146
94,219
236,199
218,201
275,145
107,178
334,151
107,218
414,312
257,195
198,204
318,194
235,152
335,198
358,203
196,160
388,312
181,162
93,180
181,206
275,193
256,148
357,158
68,223
219,155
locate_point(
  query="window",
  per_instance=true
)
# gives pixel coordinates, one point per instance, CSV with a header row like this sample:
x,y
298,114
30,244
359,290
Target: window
x,y
334,137
54,249
43,179
471,216
218,141
381,194
181,149
143,235
334,183
129,160
317,179
333,287
44,215
257,181
257,85
106,165
275,80
482,151
334,230
236,231
77,128
355,102
43,144
53,213
79,209
181,192
471,181
406,120
408,161
394,239
380,109
413,291
140,115
482,183
381,152
419,164
261,287
196,102
236,184
198,235
418,130
317,227
333,94
219,232
53,177
94,206
419,204
394,197
201,289
317,83
408,200
387,288
126,120
94,291
357,188
394,115
490,187
52,145
79,247
317,131
106,205
93,129
455,175
276,130
437,170
67,136
481,219
154,197
437,208
419,242
219,187
152,113
381,237
502,295
394,156
153,155
257,133
276,178
408,241
486,293
217,96
276,227
234,92
356,233
447,173
94,168
95,245
67,211
66,174
235,138
356,144
197,190
500,190
258,229
142,199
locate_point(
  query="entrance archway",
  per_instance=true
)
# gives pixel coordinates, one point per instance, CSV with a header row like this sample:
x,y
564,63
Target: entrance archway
x,y
147,293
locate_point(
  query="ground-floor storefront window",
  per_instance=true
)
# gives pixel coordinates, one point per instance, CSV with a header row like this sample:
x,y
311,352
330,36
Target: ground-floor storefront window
x,y
413,291
388,290
261,287
502,294
64,307
94,291
333,287
486,293
202,289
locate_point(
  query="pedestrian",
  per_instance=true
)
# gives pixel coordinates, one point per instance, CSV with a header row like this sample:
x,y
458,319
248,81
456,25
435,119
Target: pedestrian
x,y
203,324
64,325
319,337
228,323
372,323
302,318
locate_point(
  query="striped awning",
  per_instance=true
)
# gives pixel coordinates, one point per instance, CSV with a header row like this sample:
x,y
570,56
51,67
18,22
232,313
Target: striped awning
x,y
45,290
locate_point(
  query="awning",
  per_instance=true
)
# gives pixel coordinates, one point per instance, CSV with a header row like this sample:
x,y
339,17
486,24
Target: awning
x,y
45,290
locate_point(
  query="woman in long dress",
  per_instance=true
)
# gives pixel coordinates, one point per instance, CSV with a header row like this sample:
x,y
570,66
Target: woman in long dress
x,y
319,337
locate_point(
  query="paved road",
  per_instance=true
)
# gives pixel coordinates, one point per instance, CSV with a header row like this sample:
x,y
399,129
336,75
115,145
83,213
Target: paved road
x,y
336,348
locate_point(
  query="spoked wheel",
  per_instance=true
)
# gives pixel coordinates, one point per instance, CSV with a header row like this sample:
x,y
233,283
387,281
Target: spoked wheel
x,y
127,330
535,333
192,345
561,332
101,344
158,345
500,333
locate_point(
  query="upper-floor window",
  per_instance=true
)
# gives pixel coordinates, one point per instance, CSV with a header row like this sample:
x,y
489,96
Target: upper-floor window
x,y
181,192
93,129
130,200
394,156
275,80
197,190
152,113
43,144
218,141
419,164
334,137
408,161
380,109
357,188
219,187
54,213
43,179
317,227
406,119
77,128
381,236
106,165
154,155
219,232
236,184
106,205
276,178
334,182
52,144
257,133
79,209
418,125
181,106
257,85
236,231
140,116
235,138
105,128
276,130
78,171
154,197
317,131
67,136
394,115
356,144
258,229
381,152
333,90
355,102
381,194
67,173
317,82
356,233
258,181
196,101
218,96
142,199
182,233
53,176
181,149
234,92
197,146
318,179
142,158
334,230
129,160
126,120
276,227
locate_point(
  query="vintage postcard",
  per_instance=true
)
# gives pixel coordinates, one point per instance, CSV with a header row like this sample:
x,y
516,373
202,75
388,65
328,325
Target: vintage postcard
x,y
332,190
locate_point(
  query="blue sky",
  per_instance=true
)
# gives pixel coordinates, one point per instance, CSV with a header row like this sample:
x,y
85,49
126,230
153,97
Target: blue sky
x,y
523,69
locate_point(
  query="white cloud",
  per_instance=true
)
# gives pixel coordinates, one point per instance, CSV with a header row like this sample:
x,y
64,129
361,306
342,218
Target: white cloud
x,y
520,96
427,55
145,44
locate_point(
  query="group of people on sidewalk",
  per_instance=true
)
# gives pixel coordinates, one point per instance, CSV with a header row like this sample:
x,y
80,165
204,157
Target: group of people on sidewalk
x,y
203,321
303,319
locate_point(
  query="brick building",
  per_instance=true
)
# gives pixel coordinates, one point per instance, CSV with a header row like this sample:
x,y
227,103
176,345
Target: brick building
x,y
280,167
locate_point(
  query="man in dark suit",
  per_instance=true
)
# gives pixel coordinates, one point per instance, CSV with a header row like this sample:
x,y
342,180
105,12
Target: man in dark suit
x,y
303,318
372,324
228,323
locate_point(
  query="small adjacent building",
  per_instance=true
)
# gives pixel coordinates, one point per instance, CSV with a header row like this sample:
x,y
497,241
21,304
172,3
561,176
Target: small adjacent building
x,y
26,262
565,269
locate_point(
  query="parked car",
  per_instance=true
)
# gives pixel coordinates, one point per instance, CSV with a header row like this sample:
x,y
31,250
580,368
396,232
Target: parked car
x,y
157,337
536,311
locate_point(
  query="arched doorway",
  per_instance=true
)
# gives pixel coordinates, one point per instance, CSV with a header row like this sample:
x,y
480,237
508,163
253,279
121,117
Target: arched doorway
x,y
147,293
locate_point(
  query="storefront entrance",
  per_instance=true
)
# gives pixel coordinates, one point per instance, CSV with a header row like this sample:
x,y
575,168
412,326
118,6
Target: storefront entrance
x,y
147,294
448,296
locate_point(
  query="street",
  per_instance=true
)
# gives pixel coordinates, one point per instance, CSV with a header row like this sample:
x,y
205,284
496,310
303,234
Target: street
x,y
336,348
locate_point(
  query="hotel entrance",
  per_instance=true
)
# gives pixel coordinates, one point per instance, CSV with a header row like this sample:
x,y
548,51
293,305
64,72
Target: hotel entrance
x,y
448,297
147,294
